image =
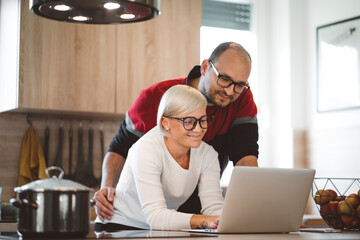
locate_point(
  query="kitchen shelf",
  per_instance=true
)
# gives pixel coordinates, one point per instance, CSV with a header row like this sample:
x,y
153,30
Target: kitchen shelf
x,y
73,115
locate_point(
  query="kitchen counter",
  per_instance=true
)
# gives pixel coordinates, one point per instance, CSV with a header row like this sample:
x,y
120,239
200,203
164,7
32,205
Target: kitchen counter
x,y
264,236
7,228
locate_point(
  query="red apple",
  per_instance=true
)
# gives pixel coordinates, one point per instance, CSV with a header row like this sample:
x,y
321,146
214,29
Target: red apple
x,y
356,223
350,222
325,212
336,223
353,200
332,208
340,198
344,208
332,193
322,197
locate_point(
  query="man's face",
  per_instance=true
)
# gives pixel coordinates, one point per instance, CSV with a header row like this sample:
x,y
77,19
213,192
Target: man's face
x,y
232,66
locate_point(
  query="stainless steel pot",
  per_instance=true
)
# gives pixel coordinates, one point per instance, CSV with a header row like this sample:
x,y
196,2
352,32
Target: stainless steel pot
x,y
53,207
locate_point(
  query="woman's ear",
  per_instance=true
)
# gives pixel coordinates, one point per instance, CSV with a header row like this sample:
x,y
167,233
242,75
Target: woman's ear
x,y
165,123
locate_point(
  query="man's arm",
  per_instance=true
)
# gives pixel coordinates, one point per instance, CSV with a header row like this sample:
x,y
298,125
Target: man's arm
x,y
111,169
250,161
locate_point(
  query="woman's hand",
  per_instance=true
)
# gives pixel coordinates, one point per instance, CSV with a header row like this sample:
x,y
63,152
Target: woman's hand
x,y
204,221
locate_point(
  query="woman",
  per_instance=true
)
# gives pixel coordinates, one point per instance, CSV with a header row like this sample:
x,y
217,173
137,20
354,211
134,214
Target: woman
x,y
164,167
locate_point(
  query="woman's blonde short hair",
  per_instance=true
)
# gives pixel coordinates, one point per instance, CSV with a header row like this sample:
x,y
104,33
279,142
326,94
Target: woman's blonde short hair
x,y
179,99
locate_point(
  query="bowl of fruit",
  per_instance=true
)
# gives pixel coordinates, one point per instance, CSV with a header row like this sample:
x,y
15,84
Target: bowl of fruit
x,y
338,201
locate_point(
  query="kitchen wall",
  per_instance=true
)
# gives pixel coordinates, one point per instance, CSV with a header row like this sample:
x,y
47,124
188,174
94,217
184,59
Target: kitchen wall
x,y
272,30
12,130
334,137
292,132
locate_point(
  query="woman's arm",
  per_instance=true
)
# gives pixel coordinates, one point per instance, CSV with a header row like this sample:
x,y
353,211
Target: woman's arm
x,y
210,193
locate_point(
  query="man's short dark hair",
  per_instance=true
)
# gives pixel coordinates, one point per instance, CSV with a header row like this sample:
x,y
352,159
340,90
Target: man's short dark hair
x,y
225,46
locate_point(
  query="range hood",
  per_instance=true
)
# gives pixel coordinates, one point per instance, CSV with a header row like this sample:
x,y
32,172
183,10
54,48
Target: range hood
x,y
96,11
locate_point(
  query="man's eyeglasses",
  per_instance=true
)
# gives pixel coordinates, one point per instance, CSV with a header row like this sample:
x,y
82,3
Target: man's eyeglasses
x,y
226,82
189,123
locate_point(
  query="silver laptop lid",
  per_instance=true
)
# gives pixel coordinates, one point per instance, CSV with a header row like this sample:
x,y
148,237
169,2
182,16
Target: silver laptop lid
x,y
265,200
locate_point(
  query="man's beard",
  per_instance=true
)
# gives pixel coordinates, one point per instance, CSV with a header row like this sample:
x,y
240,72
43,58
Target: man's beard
x,y
209,97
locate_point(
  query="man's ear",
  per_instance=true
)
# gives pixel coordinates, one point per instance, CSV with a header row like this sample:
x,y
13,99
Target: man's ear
x,y
204,65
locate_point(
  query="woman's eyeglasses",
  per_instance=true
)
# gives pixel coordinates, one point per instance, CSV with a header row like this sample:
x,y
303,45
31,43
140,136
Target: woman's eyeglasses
x,y
189,123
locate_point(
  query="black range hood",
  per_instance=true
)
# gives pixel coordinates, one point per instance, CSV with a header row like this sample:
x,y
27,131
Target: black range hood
x,y
96,11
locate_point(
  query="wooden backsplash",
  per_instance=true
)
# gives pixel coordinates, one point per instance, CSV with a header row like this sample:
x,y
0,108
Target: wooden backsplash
x,y
12,130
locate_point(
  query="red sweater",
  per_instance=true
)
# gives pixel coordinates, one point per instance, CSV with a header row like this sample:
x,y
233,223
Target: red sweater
x,y
233,132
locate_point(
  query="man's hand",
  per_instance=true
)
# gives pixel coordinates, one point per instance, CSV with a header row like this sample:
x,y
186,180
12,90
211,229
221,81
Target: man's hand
x,y
103,206
112,167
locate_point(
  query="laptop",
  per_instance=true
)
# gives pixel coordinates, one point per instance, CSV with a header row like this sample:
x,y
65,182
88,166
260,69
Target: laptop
x,y
264,200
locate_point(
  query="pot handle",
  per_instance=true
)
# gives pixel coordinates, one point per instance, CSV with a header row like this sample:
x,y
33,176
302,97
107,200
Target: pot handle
x,y
92,202
51,172
16,203
21,203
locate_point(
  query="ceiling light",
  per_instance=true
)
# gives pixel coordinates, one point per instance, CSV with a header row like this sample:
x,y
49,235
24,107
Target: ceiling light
x,y
62,7
80,18
111,5
127,16
97,11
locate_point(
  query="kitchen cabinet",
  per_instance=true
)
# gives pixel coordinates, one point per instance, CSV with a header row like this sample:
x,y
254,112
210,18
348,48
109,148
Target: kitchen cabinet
x,y
164,48
58,65
101,68
66,66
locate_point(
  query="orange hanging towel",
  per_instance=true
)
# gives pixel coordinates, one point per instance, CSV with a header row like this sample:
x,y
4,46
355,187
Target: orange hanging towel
x,y
32,161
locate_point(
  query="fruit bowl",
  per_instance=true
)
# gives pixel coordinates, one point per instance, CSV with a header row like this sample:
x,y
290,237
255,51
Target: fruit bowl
x,y
338,201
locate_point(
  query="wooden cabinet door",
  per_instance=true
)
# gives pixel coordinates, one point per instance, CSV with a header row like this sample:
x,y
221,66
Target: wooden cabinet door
x,y
163,48
66,66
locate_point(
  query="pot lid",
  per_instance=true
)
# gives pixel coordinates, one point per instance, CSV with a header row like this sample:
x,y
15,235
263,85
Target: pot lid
x,y
53,183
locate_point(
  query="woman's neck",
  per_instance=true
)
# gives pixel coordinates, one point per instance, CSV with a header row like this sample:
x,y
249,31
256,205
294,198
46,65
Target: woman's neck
x,y
179,153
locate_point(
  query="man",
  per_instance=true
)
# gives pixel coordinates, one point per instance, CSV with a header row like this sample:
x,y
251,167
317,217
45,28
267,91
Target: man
x,y
223,79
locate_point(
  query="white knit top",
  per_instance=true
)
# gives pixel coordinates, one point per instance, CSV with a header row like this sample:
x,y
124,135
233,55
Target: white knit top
x,y
153,185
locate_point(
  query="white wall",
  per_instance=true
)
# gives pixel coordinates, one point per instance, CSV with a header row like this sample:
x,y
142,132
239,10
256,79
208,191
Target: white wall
x,y
335,136
271,26
9,42
286,35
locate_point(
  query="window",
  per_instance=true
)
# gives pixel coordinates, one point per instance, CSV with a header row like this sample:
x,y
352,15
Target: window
x,y
227,21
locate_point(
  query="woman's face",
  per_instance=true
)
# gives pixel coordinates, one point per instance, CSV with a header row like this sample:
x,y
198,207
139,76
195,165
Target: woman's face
x,y
178,135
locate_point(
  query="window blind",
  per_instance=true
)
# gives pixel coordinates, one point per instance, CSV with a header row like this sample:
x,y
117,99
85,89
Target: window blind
x,y
222,14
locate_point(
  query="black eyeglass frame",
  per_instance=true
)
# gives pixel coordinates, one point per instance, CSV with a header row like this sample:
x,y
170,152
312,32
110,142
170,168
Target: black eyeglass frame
x,y
242,85
195,123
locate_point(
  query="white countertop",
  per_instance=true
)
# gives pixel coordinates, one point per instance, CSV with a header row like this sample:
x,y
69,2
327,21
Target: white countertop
x,y
11,227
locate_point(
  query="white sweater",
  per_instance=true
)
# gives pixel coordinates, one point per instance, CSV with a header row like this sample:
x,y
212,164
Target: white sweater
x,y
153,185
